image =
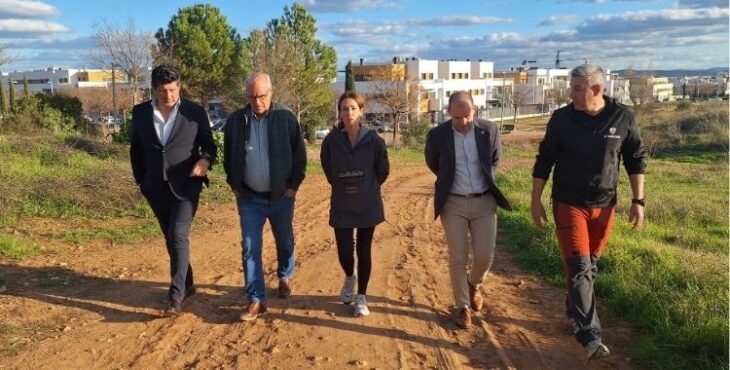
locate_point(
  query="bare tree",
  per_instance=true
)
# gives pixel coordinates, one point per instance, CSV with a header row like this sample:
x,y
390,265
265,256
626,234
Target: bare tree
x,y
641,91
5,56
557,96
126,48
519,95
393,94
96,101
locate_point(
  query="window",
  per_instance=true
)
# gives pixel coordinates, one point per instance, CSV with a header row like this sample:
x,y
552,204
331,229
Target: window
x,y
466,75
453,75
63,80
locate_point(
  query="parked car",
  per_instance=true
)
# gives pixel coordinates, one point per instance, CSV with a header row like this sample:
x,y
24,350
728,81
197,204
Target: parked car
x,y
320,133
380,126
217,124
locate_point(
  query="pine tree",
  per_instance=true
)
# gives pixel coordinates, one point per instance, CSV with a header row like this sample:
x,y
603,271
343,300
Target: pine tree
x,y
11,95
3,106
349,78
26,91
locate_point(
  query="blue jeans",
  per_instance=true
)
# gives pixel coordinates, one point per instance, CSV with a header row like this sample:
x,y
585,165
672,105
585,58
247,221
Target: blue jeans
x,y
254,210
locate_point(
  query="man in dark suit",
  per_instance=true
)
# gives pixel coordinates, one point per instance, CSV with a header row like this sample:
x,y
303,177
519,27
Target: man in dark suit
x,y
171,151
463,153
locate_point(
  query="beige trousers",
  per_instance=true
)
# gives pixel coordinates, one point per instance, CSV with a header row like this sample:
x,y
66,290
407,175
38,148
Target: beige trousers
x,y
461,218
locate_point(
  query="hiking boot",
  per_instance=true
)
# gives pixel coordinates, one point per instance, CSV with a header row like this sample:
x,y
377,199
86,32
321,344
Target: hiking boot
x,y
596,349
348,289
475,298
462,317
361,306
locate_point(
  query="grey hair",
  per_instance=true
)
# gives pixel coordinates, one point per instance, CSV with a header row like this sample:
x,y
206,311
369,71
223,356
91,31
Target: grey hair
x,y
253,76
591,72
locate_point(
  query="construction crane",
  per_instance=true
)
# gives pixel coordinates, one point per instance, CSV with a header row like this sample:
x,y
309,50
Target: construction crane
x,y
558,60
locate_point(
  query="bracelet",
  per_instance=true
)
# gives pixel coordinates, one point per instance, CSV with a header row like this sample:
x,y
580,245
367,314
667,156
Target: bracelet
x,y
638,201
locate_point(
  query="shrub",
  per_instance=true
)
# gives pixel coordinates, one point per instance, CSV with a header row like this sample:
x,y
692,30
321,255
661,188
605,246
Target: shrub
x,y
414,135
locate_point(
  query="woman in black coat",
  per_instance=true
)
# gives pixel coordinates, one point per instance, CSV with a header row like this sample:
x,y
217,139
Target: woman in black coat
x,y
355,161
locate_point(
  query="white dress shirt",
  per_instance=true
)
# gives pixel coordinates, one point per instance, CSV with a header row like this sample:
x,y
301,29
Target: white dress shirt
x,y
162,127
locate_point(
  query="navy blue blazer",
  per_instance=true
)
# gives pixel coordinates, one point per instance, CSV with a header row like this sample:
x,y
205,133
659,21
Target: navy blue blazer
x,y
441,159
155,166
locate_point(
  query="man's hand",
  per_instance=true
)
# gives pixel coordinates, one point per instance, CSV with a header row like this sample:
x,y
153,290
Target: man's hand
x,y
636,215
538,213
201,168
290,193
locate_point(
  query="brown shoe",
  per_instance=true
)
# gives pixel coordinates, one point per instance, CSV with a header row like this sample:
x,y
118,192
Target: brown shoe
x,y
475,298
284,287
253,311
173,308
462,317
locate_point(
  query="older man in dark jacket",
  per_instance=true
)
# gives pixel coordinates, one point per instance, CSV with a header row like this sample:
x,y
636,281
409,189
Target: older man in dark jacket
x,y
264,160
463,153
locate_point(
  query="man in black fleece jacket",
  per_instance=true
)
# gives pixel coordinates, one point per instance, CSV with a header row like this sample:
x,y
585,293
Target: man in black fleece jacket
x,y
586,141
265,161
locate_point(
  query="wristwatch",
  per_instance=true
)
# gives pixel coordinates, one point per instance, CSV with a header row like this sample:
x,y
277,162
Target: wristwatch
x,y
638,201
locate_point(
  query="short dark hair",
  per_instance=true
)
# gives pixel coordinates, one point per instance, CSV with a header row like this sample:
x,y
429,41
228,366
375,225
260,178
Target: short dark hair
x,y
163,75
456,94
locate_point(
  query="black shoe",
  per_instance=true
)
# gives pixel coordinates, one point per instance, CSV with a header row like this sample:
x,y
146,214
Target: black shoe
x,y
174,308
189,293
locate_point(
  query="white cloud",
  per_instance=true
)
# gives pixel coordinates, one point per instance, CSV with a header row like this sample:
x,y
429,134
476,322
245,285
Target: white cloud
x,y
655,20
339,6
26,9
703,3
368,31
20,28
558,20
458,20
51,43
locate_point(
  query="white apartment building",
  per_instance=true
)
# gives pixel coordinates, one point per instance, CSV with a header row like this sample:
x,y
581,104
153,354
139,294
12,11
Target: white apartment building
x,y
53,79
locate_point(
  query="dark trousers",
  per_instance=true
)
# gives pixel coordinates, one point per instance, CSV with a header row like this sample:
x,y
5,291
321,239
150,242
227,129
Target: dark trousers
x,y
346,247
582,234
175,217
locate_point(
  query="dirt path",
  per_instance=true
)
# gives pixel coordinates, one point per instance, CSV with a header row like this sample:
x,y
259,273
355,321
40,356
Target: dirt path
x,y
98,306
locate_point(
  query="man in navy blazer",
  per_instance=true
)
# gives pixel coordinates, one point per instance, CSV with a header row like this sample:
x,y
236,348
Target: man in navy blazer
x,y
463,153
171,152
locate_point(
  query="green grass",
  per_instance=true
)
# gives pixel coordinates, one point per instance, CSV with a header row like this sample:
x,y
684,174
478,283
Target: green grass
x,y
65,177
16,248
127,234
669,279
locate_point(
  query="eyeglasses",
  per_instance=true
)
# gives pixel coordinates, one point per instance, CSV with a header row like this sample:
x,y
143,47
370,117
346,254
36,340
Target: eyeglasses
x,y
259,97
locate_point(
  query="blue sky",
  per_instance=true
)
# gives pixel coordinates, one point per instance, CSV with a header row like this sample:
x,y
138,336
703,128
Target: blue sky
x,y
646,34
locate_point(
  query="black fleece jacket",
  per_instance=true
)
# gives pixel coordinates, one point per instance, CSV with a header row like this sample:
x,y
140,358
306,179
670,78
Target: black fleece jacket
x,y
586,152
287,155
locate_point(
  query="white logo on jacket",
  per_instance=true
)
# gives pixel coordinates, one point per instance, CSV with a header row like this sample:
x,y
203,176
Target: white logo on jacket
x,y
612,131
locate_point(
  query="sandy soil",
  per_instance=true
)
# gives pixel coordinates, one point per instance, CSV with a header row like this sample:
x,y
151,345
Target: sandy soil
x,y
98,306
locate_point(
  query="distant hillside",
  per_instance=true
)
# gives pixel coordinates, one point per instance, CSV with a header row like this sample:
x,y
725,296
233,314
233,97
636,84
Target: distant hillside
x,y
681,72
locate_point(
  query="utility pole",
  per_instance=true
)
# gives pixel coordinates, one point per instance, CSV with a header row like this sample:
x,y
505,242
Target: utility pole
x,y
501,113
114,92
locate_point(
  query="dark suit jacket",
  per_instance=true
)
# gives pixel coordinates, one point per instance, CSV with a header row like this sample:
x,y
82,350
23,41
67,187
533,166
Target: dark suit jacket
x,y
441,159
155,166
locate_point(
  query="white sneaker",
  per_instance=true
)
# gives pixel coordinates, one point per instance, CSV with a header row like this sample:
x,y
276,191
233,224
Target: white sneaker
x,y
348,289
596,349
361,306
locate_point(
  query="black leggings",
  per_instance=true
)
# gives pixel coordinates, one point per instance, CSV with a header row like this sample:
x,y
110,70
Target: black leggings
x,y
345,249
